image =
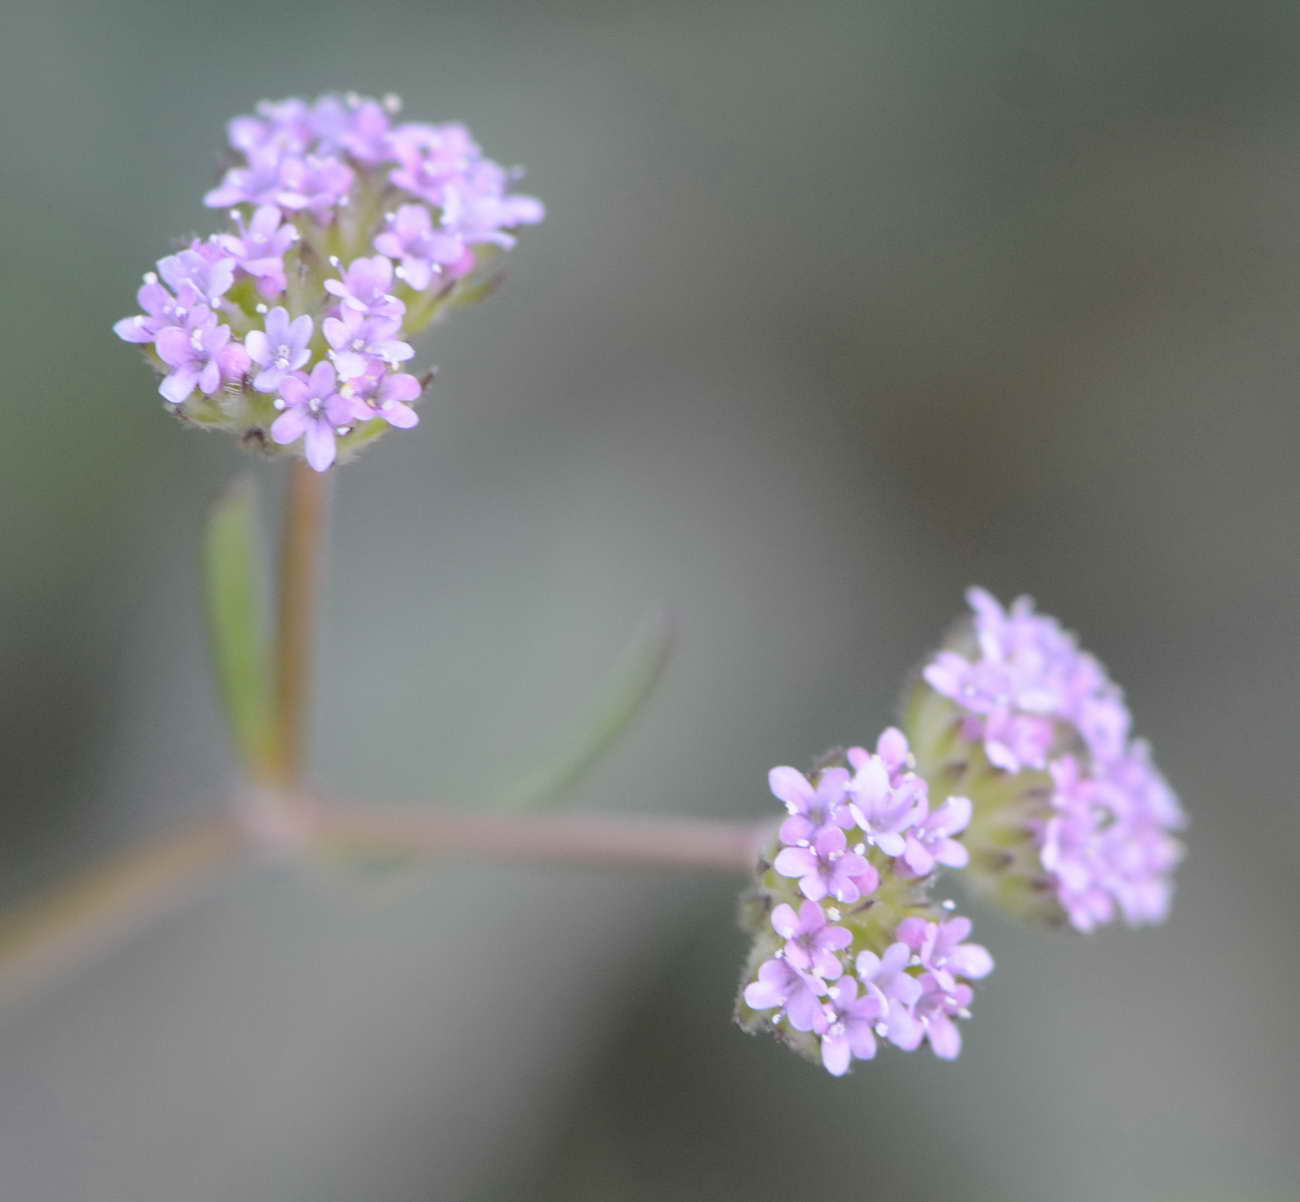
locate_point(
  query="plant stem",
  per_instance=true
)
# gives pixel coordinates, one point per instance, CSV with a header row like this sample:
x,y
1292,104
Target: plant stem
x,y
596,840
300,549
83,919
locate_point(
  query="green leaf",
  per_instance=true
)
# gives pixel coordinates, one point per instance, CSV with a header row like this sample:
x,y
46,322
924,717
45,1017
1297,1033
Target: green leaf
x,y
235,585
625,693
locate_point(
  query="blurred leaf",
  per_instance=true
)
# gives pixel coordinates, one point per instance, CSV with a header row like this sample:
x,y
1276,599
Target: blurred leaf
x,y
625,693
234,586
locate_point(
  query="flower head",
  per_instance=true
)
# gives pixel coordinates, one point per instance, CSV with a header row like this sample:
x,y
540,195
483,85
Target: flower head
x,y
1075,824
847,936
364,229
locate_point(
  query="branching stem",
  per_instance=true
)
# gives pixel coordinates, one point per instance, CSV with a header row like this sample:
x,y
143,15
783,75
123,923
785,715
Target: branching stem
x,y
83,919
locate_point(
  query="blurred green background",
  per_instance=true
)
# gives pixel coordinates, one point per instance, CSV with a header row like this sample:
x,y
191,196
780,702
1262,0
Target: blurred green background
x,y
839,307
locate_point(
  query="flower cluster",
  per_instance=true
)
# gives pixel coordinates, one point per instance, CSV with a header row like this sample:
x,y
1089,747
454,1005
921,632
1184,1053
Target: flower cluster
x,y
1073,823
849,949
1051,808
350,232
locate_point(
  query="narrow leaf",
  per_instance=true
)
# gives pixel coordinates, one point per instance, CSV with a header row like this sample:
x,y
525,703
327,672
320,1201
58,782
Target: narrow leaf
x,y
235,586
625,693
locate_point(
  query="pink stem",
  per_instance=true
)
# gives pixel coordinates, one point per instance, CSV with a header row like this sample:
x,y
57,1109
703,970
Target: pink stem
x,y
597,840
81,920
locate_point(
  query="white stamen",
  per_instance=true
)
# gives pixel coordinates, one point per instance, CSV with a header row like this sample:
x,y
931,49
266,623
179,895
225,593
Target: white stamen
x,y
150,277
261,308
392,102
335,261
279,402
342,430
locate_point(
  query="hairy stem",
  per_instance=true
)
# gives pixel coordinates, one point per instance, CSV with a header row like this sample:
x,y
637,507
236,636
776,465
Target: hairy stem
x,y
300,552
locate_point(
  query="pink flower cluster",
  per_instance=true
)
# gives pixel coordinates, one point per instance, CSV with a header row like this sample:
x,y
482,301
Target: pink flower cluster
x,y
858,954
349,233
1035,702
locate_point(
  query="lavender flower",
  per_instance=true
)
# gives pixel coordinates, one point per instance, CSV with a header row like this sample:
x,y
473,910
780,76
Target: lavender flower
x,y
939,1004
281,348
200,357
812,808
939,948
827,868
477,207
360,344
364,289
430,157
259,247
255,183
384,395
307,194
313,411
931,840
850,1028
885,807
1074,823
424,249
205,269
887,978
162,309
812,943
795,994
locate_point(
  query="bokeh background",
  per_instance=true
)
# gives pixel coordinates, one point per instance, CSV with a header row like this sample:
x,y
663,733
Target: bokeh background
x,y
839,308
